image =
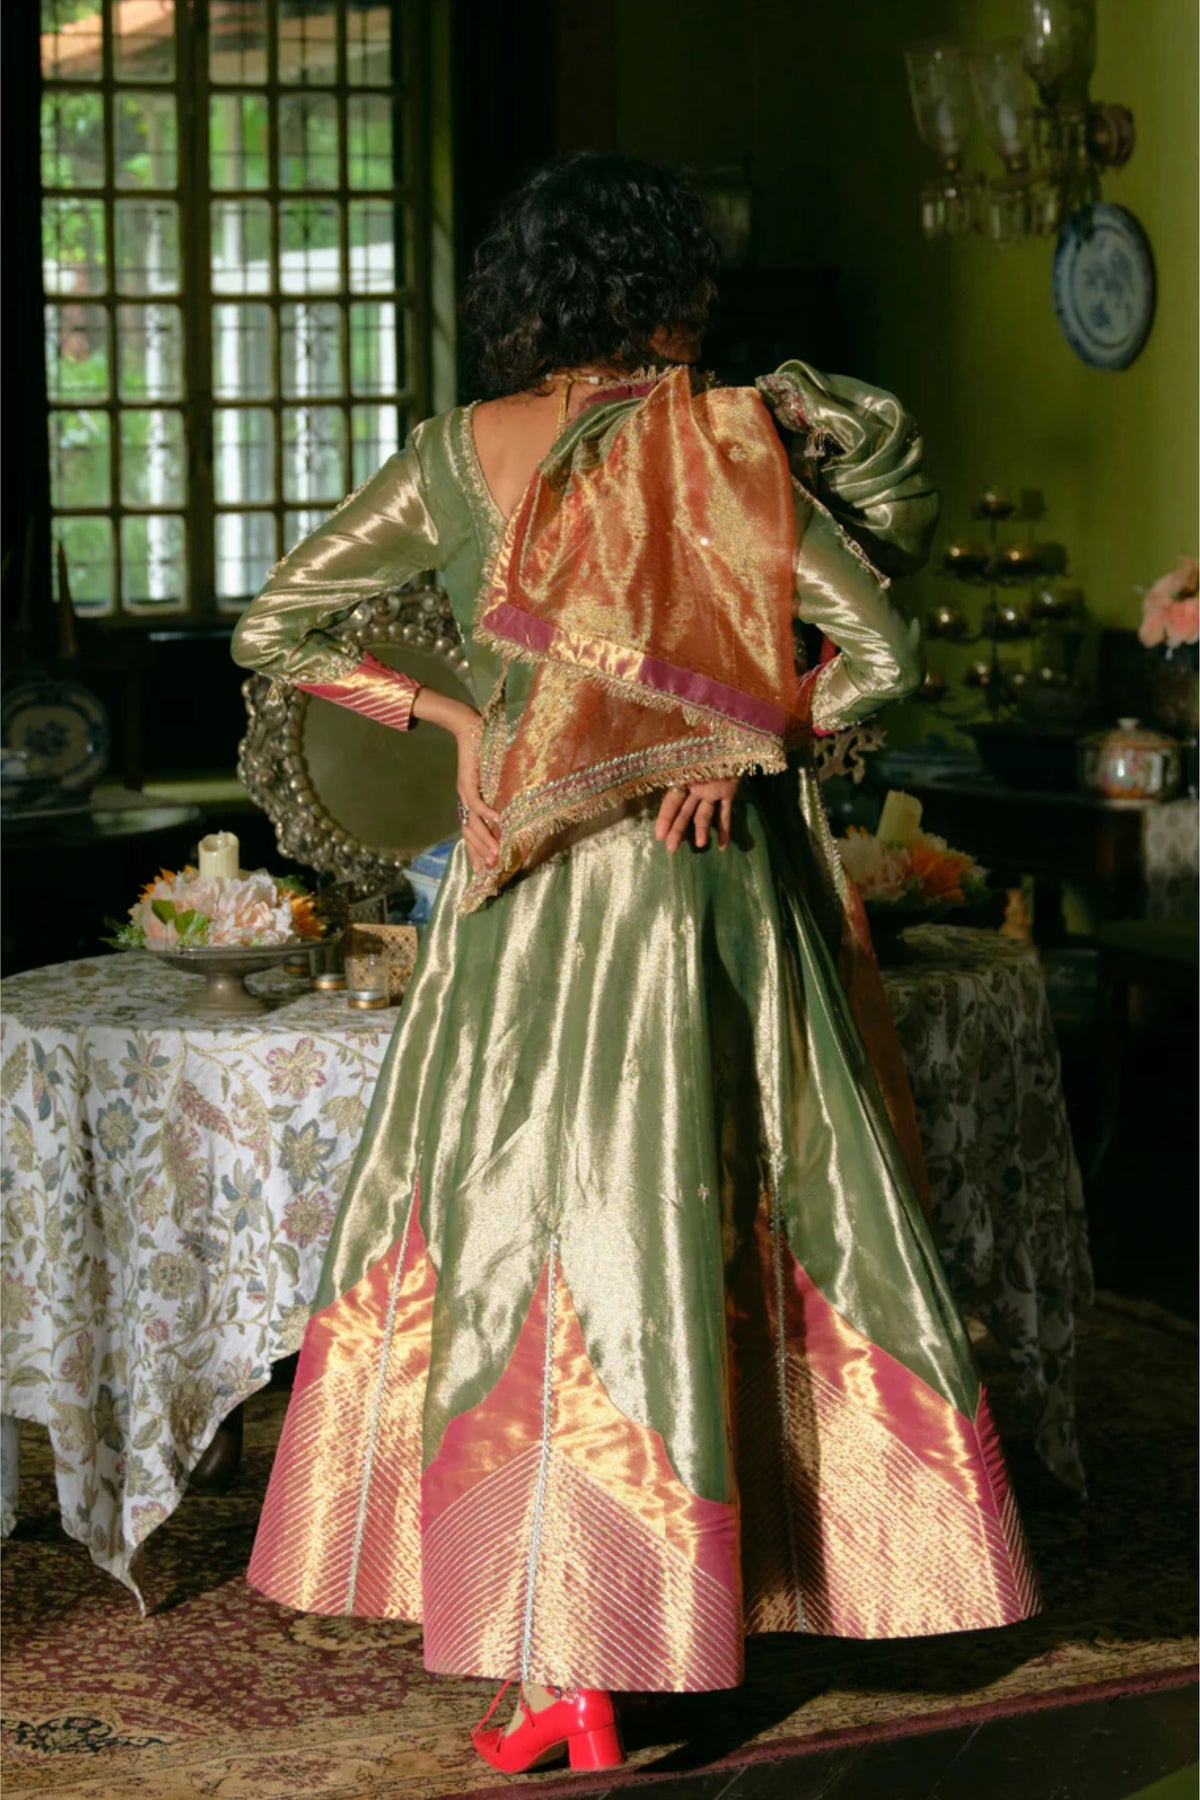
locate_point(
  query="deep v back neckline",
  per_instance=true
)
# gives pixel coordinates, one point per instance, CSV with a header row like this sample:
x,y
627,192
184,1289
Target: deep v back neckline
x,y
480,482
484,486
479,479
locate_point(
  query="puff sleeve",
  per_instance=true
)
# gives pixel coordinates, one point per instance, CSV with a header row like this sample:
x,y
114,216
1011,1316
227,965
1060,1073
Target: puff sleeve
x,y
865,511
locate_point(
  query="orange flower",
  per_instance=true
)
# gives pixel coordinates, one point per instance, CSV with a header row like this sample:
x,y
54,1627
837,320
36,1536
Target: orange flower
x,y
167,875
939,872
304,920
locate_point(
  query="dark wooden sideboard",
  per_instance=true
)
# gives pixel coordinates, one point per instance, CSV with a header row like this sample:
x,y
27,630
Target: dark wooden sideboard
x,y
1054,838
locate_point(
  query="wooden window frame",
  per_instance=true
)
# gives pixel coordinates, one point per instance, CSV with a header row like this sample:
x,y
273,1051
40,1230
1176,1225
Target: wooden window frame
x,y
193,89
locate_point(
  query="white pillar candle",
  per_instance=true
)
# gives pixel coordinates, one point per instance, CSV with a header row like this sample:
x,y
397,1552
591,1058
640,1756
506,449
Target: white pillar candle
x,y
219,856
900,820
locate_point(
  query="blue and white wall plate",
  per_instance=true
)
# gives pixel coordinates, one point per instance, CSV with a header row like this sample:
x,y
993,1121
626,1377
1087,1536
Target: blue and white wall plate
x,y
58,728
1104,285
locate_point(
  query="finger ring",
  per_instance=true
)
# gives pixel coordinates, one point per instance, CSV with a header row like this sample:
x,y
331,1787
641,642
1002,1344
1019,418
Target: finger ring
x,y
464,812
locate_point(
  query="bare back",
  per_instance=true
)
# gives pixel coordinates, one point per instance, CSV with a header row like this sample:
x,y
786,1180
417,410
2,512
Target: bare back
x,y
512,435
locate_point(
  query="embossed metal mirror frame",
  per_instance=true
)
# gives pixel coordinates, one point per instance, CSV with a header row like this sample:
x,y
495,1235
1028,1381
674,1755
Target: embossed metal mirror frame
x,y
272,763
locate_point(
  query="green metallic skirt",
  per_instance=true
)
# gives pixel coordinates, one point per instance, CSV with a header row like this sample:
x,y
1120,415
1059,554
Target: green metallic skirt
x,y
632,1338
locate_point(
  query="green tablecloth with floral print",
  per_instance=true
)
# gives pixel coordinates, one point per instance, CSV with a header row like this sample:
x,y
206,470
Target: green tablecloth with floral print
x,y
1008,1207
169,1185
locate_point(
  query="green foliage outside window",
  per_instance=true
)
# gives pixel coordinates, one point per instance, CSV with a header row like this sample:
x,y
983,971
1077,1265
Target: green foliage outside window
x,y
198,316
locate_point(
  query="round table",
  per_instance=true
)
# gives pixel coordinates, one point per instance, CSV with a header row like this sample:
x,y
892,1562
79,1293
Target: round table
x,y
1007,1200
169,1186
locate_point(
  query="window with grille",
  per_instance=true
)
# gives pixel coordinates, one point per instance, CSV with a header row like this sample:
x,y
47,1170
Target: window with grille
x,y
235,274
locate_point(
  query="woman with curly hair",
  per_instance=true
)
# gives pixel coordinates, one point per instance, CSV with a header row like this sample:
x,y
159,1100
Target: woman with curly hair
x,y
631,1338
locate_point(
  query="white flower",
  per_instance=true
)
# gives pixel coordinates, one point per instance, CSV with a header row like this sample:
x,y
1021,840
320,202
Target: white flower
x,y
879,871
245,910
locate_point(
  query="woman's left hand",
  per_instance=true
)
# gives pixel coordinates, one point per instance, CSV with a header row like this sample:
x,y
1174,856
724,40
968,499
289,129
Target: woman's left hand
x,y
698,804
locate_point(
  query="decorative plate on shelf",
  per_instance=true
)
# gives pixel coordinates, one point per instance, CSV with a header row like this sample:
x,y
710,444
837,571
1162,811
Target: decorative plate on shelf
x,y
60,724
1104,285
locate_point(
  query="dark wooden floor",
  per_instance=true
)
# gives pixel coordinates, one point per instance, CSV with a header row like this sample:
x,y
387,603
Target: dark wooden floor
x,y
1100,1750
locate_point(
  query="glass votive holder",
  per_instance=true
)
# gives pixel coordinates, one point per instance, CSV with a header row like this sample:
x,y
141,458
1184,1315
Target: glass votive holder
x,y
330,981
367,999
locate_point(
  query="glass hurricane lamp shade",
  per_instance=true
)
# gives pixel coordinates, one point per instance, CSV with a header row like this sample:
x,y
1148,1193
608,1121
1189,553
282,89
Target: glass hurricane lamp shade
x,y
1004,101
941,98
1059,48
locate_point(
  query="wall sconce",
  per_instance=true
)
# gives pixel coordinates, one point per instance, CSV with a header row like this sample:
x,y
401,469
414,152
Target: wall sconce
x,y
1031,96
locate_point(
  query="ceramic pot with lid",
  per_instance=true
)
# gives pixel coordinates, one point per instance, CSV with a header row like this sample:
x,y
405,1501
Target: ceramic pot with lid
x,y
1129,763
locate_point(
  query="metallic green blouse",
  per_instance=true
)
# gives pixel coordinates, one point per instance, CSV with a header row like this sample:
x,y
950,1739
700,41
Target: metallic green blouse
x,y
860,498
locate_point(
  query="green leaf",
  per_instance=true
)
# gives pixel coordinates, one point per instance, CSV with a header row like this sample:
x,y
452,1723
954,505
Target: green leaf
x,y
192,927
14,1071
148,1434
25,1376
163,909
288,1256
124,935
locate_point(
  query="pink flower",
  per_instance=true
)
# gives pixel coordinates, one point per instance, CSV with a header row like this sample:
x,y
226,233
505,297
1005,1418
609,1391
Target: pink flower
x,y
79,1367
1170,610
249,910
1183,622
295,1071
307,1217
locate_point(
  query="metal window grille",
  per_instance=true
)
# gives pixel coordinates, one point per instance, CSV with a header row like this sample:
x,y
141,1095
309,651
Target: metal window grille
x,y
235,263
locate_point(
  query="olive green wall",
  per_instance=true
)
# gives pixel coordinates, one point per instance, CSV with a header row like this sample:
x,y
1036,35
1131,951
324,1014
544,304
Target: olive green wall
x,y
815,97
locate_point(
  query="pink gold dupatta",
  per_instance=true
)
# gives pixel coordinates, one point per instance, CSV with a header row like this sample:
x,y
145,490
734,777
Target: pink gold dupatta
x,y
652,590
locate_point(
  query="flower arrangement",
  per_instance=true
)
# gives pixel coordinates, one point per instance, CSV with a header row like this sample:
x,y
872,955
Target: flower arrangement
x,y
189,911
1171,608
920,875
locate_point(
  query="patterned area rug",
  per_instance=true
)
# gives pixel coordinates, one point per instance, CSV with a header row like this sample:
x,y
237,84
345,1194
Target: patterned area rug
x,y
221,1695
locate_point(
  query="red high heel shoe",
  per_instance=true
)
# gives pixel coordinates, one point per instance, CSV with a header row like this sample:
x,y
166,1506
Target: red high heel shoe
x,y
581,1721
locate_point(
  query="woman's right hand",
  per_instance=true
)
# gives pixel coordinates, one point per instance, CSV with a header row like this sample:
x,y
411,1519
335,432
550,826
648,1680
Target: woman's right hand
x,y
480,828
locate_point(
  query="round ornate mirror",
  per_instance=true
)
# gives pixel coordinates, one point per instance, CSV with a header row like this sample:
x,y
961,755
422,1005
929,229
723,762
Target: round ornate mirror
x,y
347,796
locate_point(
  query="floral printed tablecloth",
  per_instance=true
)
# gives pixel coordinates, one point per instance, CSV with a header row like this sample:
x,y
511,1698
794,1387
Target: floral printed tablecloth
x,y
1008,1206
169,1185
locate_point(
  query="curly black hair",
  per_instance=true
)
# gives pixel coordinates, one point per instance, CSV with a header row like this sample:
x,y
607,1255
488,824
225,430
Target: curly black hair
x,y
590,256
